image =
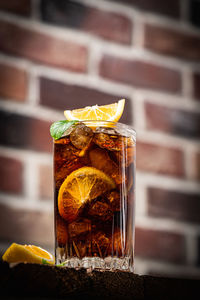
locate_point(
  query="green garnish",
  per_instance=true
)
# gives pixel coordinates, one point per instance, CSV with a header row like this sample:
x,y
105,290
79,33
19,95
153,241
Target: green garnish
x,y
58,128
61,265
45,262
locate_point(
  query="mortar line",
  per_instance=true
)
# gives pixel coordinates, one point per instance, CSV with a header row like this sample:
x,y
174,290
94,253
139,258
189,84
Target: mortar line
x,y
23,155
33,88
167,225
19,202
168,182
30,180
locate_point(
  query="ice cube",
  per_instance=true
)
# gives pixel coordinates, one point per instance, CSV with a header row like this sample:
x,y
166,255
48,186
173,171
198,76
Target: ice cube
x,y
106,130
100,243
117,245
79,229
64,152
102,161
100,210
107,141
81,136
66,160
131,176
112,142
65,170
125,156
81,248
61,231
114,200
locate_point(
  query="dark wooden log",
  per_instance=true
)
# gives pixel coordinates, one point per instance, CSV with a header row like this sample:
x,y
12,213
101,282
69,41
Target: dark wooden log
x,y
31,281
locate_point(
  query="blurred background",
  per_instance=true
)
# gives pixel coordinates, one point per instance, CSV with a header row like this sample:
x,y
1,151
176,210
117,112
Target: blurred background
x,y
57,55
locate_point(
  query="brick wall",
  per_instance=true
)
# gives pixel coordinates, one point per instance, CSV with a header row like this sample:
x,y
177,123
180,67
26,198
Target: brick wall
x,y
67,54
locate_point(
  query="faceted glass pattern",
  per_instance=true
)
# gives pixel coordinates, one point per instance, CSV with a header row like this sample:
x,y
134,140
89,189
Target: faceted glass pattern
x,y
100,234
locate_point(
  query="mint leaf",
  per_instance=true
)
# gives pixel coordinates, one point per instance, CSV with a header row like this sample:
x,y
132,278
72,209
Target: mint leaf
x,y
58,128
44,262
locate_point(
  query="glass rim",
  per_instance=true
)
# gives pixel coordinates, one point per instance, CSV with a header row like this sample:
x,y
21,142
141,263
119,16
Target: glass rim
x,y
119,125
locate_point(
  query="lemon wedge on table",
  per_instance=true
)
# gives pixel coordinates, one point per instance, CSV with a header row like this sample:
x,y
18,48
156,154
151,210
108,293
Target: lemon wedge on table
x,y
111,112
27,253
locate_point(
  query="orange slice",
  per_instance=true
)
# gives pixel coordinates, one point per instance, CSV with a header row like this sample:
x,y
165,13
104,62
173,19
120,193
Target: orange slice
x,y
27,253
79,187
111,112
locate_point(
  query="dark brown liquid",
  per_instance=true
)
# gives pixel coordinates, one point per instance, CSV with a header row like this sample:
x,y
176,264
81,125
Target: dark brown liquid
x,y
104,226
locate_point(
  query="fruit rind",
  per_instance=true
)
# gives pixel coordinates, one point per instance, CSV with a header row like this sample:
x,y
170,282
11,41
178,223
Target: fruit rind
x,y
26,253
91,112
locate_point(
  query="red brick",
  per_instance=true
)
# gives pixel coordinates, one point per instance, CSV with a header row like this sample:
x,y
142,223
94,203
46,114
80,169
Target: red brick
x,y
175,121
107,25
160,245
58,95
11,175
169,8
140,74
175,205
42,48
198,251
46,182
198,166
195,173
24,132
172,42
13,82
196,86
160,159
26,225
21,7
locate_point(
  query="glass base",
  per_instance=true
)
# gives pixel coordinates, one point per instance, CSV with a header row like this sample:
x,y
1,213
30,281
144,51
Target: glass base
x,y
97,263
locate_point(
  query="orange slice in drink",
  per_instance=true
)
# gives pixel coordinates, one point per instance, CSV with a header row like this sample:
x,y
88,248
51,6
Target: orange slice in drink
x,y
81,186
27,253
111,112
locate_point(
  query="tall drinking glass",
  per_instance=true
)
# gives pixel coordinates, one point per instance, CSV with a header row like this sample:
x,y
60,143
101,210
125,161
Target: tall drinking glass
x,y
94,172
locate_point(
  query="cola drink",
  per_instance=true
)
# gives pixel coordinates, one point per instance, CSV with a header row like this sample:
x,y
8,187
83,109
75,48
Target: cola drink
x,y
95,229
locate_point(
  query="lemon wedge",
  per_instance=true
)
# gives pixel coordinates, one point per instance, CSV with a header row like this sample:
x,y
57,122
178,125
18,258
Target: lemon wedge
x,y
27,253
111,112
